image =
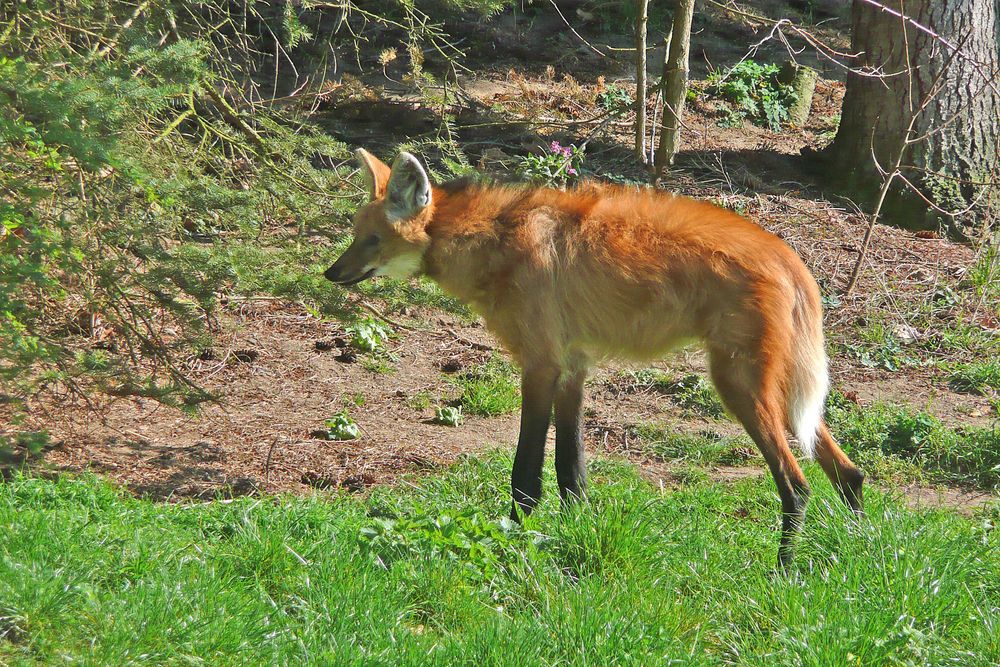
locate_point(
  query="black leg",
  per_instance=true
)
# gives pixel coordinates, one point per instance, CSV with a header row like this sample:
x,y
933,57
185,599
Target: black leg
x,y
793,511
537,389
571,466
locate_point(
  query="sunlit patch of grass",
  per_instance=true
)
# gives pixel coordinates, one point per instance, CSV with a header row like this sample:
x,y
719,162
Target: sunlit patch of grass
x,y
977,377
875,344
420,400
705,448
433,573
896,442
691,391
984,276
490,389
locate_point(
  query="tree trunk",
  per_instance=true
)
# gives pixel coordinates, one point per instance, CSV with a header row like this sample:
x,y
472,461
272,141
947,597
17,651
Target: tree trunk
x,y
946,83
675,76
802,79
640,80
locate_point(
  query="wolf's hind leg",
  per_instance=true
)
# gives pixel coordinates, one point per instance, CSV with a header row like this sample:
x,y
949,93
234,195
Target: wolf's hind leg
x,y
754,399
846,477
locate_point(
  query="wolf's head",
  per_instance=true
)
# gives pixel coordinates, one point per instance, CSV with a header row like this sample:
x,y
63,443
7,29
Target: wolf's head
x,y
390,230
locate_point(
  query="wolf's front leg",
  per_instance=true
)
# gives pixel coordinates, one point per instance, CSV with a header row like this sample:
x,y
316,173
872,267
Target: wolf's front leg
x,y
571,466
537,389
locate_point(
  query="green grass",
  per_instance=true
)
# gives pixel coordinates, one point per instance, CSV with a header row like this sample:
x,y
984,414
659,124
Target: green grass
x,y
874,344
897,443
429,574
692,392
890,442
420,400
978,377
705,448
984,276
490,389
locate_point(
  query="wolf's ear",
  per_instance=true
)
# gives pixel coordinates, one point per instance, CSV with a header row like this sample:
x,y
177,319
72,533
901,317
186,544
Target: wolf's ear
x,y
409,189
375,171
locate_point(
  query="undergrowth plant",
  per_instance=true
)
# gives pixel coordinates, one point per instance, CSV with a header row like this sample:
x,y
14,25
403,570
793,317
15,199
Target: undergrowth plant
x,y
558,166
490,389
751,91
614,98
342,427
891,441
448,415
977,377
691,391
369,335
705,448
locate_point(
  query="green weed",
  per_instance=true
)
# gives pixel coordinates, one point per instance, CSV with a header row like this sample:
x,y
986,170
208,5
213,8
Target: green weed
x,y
704,449
448,415
342,427
752,92
369,335
490,389
614,98
379,364
878,346
691,391
978,377
984,276
420,400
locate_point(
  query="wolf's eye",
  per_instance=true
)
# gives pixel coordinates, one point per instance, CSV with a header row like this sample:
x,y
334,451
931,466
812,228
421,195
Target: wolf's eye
x,y
372,240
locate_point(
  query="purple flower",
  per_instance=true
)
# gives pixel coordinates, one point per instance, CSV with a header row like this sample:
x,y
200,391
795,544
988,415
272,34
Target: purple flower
x,y
567,151
571,171
555,147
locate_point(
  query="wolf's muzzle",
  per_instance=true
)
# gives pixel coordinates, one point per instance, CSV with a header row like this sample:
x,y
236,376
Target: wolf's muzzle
x,y
333,275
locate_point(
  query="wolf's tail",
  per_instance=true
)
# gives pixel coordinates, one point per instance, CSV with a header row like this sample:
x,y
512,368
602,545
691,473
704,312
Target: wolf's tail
x,y
809,381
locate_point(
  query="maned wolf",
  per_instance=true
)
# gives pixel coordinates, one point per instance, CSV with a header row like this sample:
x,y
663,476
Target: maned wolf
x,y
567,279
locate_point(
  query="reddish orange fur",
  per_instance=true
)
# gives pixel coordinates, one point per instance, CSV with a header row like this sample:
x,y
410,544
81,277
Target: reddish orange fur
x,y
568,278
625,258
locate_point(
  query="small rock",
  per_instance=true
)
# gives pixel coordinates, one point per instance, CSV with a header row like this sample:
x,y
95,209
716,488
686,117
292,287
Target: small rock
x,y
905,333
348,356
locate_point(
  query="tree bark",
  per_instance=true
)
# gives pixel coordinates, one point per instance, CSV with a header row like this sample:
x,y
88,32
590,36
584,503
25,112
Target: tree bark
x,y
640,80
939,62
802,79
675,76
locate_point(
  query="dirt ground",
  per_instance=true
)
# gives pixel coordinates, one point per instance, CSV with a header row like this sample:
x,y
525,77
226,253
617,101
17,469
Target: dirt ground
x,y
280,375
